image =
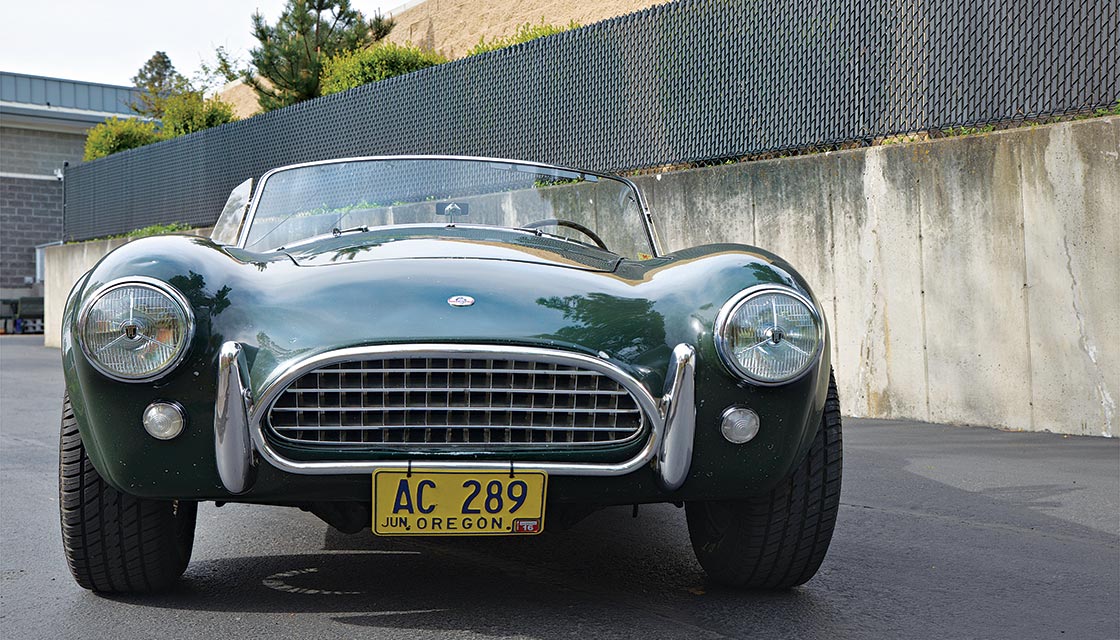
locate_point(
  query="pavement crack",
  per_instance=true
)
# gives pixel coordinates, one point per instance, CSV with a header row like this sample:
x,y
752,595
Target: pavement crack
x,y
994,526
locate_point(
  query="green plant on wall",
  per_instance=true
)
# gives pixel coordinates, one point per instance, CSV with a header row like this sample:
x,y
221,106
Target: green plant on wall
x,y
953,132
384,60
1114,110
115,135
524,33
144,232
158,230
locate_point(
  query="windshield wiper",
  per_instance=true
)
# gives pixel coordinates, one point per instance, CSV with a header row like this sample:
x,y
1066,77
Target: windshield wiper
x,y
540,234
337,232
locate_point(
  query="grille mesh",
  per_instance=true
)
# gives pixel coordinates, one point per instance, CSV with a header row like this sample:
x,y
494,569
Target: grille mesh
x,y
471,403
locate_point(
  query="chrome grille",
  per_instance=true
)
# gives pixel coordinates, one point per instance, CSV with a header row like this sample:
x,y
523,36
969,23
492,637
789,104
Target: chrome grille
x,y
465,403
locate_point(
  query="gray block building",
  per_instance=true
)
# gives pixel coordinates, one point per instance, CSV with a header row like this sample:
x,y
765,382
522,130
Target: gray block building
x,y
43,123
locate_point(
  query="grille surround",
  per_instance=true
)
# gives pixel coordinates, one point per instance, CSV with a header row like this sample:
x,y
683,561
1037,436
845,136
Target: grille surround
x,y
453,398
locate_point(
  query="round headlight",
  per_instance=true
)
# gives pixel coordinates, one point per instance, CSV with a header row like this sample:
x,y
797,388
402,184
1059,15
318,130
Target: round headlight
x,y
768,335
135,330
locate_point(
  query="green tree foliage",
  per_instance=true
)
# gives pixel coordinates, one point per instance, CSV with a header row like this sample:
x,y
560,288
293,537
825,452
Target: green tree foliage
x,y
189,112
157,80
225,68
291,52
524,33
384,60
116,135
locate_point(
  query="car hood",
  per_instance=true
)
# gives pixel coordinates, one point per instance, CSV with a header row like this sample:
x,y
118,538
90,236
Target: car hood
x,y
292,312
454,244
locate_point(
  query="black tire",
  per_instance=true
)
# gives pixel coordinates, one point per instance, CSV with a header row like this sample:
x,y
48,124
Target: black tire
x,y
116,542
779,540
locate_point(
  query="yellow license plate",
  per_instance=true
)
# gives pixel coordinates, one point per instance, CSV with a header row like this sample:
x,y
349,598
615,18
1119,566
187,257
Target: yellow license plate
x,y
430,502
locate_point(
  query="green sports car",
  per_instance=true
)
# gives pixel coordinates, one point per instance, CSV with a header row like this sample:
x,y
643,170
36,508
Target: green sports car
x,y
440,346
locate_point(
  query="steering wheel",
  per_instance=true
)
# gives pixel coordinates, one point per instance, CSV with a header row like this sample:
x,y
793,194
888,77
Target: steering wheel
x,y
557,222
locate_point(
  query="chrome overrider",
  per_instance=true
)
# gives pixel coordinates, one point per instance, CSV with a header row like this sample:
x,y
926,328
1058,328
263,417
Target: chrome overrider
x,y
232,444
239,436
678,407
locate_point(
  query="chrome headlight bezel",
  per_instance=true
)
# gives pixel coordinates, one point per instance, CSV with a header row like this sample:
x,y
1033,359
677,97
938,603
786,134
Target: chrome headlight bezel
x,y
143,282
727,312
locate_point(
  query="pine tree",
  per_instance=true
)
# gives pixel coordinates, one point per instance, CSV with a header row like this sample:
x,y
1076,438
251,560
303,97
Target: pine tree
x,y
157,80
225,68
289,59
380,26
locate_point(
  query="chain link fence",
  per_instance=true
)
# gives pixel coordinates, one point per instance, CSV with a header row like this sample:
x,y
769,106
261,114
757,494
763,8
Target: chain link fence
x,y
688,83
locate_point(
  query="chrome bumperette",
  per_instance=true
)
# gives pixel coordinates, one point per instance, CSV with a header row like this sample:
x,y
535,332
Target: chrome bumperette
x,y
674,458
233,447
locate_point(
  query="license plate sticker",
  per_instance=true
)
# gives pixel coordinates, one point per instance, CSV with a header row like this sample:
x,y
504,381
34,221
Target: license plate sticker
x,y
429,502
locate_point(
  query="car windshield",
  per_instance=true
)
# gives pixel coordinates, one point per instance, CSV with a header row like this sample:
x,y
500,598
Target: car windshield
x,y
354,196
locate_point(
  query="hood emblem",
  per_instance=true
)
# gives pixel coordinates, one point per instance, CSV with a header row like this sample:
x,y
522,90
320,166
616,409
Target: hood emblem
x,y
460,301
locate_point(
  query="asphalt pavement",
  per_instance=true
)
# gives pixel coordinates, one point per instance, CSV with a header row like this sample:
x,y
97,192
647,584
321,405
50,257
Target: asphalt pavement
x,y
944,532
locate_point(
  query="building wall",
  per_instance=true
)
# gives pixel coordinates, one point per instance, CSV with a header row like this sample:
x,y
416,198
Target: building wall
x,y
454,26
241,98
38,152
30,209
30,215
44,123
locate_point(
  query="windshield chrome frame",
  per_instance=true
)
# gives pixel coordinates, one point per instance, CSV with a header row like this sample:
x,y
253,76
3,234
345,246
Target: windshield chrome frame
x,y
647,218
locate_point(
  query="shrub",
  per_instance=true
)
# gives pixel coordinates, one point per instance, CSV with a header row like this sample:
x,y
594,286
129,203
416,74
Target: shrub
x,y
385,60
143,232
115,135
525,33
157,230
189,112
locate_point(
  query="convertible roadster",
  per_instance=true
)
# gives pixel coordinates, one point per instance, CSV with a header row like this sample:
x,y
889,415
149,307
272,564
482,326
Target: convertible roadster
x,y
441,346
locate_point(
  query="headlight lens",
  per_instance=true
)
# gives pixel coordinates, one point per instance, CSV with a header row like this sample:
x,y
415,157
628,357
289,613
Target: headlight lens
x,y
136,331
769,336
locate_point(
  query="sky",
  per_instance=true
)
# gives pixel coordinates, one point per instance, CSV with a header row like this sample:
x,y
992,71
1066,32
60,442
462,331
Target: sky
x,y
108,41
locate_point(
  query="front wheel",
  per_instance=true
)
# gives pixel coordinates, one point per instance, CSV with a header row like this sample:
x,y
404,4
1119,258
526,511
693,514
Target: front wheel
x,y
115,542
778,540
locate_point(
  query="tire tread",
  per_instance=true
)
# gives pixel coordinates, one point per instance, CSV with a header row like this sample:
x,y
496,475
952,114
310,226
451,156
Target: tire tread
x,y
779,540
113,541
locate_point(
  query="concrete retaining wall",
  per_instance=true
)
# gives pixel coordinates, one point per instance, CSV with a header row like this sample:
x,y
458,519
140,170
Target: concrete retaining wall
x,y
970,280
64,264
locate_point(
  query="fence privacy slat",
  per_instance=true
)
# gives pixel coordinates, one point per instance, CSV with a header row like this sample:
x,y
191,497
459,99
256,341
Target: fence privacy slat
x,y
694,81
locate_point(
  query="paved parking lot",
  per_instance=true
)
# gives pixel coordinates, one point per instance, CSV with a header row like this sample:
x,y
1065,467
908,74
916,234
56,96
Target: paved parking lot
x,y
944,532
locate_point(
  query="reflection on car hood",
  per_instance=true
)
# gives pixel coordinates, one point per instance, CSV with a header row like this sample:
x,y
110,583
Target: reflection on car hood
x,y
453,243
